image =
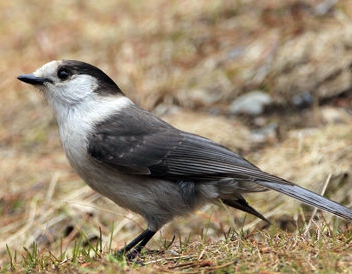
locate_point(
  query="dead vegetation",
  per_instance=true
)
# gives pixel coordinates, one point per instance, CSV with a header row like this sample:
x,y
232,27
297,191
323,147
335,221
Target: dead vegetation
x,y
185,61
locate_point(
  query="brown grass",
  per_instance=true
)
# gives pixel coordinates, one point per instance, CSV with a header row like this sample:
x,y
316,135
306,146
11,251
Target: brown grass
x,y
185,61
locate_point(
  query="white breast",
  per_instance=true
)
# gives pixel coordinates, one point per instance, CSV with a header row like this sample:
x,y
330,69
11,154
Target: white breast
x,y
78,124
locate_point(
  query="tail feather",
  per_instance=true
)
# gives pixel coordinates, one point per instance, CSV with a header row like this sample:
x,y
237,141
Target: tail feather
x,y
310,198
241,204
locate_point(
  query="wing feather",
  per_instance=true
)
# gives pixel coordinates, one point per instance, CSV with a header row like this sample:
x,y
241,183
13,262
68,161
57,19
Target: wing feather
x,y
138,142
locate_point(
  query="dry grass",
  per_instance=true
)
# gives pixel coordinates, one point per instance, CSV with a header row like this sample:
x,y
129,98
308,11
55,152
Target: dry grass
x,y
321,250
168,56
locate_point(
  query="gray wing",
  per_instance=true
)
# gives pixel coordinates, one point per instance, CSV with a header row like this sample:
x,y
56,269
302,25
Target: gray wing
x,y
137,142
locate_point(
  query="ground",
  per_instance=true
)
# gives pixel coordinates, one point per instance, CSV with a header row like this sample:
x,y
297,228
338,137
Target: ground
x,y
186,61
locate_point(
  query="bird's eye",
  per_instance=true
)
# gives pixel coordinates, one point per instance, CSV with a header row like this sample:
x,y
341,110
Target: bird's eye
x,y
63,74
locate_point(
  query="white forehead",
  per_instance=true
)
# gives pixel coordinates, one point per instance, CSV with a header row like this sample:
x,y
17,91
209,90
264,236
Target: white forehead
x,y
47,69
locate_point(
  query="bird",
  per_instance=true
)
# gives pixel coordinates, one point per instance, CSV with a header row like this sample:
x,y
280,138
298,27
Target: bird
x,y
143,163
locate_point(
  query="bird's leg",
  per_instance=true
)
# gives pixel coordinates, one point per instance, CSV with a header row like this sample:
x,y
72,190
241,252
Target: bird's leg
x,y
139,242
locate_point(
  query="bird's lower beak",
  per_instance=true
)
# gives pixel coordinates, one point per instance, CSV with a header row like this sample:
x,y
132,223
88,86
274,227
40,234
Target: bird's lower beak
x,y
32,79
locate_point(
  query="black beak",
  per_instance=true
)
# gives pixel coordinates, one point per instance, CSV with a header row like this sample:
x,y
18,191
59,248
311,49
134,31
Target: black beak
x,y
33,80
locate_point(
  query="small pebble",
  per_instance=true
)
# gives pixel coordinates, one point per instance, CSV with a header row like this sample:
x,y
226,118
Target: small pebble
x,y
251,103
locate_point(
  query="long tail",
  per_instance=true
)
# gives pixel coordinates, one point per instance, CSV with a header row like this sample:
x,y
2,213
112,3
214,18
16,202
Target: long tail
x,y
310,198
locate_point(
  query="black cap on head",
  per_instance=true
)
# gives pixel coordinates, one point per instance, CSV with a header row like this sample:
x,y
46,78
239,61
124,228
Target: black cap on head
x,y
106,85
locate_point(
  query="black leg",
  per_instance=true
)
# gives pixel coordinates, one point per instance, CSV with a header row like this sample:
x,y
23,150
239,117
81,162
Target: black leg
x,y
146,239
139,242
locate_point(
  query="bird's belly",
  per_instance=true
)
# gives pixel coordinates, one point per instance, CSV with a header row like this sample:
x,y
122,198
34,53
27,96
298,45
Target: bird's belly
x,y
158,201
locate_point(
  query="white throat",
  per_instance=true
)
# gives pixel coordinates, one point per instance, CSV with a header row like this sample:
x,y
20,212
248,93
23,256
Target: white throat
x,y
79,123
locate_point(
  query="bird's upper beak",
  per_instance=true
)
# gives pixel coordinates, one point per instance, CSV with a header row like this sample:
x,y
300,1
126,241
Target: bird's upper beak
x,y
32,79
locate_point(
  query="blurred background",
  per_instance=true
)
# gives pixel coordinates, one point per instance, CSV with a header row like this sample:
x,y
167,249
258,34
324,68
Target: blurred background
x,y
270,79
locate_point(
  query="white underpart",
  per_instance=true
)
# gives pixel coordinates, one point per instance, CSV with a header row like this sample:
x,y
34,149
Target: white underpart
x,y
78,124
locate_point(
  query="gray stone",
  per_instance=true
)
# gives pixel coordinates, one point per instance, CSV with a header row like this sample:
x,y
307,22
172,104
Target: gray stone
x,y
251,103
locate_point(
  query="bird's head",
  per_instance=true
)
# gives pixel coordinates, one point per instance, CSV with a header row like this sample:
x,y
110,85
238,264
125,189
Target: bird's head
x,y
69,84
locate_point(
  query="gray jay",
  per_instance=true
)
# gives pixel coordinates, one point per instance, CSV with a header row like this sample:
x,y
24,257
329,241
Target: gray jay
x,y
143,163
